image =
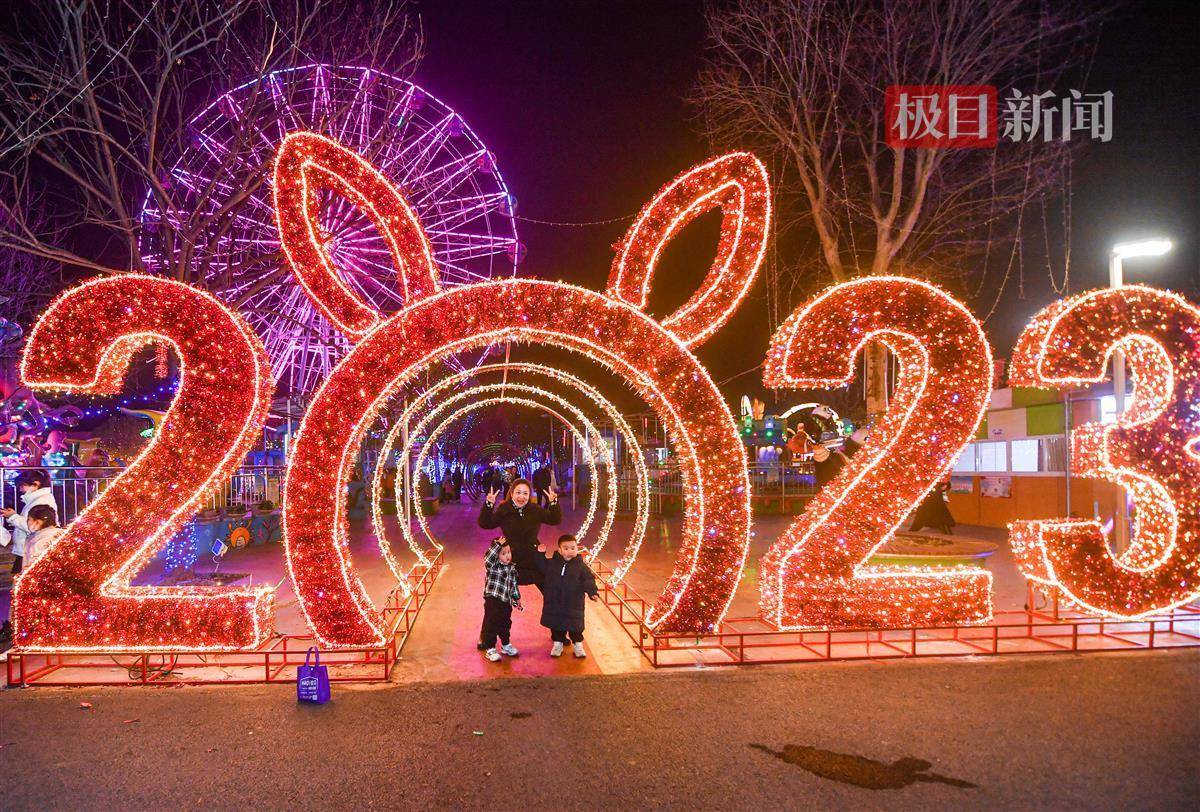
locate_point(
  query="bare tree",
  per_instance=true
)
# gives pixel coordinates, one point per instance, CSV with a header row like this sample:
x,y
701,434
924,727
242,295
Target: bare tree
x,y
96,96
802,82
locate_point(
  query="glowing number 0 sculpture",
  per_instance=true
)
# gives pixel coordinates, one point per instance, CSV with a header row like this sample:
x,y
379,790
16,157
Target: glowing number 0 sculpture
x,y
77,596
815,576
606,329
1151,450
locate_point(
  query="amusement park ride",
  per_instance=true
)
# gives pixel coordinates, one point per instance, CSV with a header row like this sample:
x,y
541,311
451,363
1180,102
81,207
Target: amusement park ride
x,y
399,242
808,430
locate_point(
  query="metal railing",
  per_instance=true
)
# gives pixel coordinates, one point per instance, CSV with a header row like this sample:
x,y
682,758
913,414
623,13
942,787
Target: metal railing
x,y
76,486
786,486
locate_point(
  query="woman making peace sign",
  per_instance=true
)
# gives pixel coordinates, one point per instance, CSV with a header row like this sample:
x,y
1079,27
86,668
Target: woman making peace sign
x,y
519,520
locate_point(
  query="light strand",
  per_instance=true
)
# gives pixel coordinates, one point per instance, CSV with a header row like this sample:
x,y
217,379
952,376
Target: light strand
x,y
816,576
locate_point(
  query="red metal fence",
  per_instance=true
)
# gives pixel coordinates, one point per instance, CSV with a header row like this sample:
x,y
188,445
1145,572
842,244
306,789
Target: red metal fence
x,y
739,641
274,661
750,640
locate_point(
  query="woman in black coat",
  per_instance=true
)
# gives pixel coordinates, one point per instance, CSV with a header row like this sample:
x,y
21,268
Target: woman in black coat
x,y
519,520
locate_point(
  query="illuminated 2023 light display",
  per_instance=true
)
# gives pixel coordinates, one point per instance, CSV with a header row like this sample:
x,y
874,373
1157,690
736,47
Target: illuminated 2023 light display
x,y
610,332
1150,450
815,576
77,596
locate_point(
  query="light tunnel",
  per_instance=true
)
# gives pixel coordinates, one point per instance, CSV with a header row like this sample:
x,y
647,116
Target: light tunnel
x,y
581,427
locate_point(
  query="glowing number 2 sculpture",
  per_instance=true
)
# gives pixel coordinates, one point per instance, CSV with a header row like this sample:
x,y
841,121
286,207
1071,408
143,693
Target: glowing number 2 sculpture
x,y
608,330
77,596
815,576
1150,451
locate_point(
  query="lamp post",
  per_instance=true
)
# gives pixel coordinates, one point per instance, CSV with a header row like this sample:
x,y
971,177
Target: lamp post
x,y
1119,253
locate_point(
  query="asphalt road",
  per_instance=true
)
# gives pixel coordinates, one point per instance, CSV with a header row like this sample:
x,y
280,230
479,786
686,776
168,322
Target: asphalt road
x,y
1061,732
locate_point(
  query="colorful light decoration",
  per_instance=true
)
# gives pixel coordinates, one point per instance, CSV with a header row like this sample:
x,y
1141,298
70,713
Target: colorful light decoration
x,y
1150,451
611,332
738,184
307,162
584,431
476,393
182,550
415,139
621,426
815,576
78,595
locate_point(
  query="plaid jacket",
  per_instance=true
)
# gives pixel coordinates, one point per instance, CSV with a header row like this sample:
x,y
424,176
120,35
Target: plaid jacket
x,y
501,578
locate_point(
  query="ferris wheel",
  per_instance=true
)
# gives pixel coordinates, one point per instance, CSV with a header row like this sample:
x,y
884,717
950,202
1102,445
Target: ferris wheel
x,y
419,143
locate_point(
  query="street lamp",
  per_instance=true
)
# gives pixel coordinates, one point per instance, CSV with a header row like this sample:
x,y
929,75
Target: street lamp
x,y
1121,252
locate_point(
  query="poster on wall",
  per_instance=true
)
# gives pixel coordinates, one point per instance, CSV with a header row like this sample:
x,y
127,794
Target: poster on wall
x,y
997,487
962,484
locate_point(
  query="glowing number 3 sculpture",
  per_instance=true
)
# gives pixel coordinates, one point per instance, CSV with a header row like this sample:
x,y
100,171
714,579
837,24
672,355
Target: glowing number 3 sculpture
x,y
816,575
610,329
77,596
1151,450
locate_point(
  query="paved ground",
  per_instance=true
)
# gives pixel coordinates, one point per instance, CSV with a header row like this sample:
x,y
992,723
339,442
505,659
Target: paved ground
x,y
1060,732
441,646
1102,731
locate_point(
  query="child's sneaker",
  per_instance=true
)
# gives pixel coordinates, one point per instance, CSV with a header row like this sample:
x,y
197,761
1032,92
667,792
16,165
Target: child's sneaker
x,y
556,649
509,650
492,655
578,649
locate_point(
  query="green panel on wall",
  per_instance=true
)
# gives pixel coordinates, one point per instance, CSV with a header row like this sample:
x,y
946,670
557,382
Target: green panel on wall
x,y
1048,419
1029,396
982,433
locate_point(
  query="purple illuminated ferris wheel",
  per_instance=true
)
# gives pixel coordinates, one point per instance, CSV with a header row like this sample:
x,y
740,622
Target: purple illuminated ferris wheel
x,y
221,200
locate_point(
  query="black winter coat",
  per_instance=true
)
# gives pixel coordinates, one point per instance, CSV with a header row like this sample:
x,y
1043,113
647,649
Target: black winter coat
x,y
565,585
520,528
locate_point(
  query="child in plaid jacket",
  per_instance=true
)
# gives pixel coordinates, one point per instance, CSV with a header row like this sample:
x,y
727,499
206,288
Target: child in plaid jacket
x,y
500,595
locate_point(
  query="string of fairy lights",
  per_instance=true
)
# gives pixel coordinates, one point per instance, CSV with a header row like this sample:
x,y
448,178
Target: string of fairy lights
x,y
449,410
622,428
814,576
307,162
585,433
737,183
78,595
404,422
1149,451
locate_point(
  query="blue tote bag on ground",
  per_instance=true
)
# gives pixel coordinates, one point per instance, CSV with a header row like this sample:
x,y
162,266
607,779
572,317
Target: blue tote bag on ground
x,y
312,681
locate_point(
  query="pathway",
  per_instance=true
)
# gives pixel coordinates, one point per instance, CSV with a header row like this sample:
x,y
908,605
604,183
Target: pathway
x,y
442,644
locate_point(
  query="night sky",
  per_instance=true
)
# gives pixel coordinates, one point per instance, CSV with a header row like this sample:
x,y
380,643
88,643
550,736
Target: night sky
x,y
582,103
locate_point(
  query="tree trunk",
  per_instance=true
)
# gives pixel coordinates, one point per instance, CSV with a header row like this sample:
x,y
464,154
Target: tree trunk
x,y
876,353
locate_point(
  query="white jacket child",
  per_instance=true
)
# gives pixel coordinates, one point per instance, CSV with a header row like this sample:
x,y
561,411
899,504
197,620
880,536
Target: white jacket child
x,y
37,542
42,496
